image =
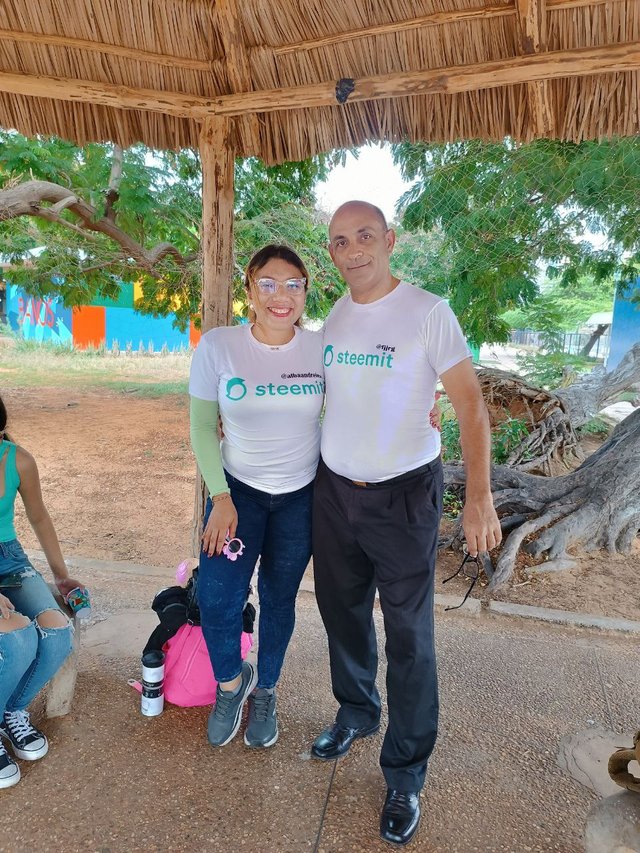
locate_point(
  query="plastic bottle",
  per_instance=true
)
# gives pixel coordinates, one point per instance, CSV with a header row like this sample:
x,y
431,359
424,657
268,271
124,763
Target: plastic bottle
x,y
152,700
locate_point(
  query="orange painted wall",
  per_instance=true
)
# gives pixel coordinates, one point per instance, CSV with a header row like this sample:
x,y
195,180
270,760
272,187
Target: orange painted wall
x,y
88,325
194,335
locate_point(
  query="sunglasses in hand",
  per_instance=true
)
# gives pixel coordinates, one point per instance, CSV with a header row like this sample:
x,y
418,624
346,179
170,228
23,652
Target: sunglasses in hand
x,y
470,569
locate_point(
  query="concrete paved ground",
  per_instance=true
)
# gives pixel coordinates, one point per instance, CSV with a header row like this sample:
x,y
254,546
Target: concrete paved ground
x,y
115,781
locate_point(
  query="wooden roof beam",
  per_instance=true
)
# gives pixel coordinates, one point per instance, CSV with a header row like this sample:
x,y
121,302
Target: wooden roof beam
x,y
51,40
462,78
531,25
580,62
433,20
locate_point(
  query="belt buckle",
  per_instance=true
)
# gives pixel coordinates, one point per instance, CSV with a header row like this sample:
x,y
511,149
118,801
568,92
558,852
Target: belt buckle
x,y
360,483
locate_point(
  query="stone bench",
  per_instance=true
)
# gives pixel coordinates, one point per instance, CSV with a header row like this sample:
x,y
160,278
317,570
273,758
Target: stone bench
x,y
62,686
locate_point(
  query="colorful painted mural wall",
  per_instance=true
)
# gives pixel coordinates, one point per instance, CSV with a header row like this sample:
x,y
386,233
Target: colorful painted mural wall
x,y
625,326
106,322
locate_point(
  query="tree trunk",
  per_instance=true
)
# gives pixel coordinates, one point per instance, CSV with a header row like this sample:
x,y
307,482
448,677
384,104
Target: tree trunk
x,y
596,506
599,332
593,391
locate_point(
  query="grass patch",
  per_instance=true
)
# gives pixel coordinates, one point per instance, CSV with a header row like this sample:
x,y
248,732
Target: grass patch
x,y
151,389
628,397
42,365
595,426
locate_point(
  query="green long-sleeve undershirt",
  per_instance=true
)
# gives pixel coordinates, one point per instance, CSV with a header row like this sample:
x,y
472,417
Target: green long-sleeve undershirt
x,y
206,445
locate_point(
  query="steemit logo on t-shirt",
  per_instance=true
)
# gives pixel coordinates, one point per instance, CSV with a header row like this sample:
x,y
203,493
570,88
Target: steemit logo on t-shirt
x,y
362,359
236,388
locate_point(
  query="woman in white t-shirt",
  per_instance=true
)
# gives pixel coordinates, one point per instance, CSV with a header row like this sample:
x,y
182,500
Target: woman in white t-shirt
x,y
266,381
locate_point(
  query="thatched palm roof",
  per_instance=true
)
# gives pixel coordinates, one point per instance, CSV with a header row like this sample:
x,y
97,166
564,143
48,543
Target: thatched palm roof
x,y
150,70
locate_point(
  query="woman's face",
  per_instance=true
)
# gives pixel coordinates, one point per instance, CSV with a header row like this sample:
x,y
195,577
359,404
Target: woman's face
x,y
281,309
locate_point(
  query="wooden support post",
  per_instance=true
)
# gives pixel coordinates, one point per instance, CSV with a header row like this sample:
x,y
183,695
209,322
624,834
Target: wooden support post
x,y
217,157
531,23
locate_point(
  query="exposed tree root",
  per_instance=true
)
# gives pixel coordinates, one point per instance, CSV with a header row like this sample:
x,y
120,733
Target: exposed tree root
x,y
551,437
553,416
595,506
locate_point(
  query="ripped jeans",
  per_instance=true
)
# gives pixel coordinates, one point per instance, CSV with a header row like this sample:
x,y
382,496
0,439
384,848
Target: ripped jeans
x,y
29,656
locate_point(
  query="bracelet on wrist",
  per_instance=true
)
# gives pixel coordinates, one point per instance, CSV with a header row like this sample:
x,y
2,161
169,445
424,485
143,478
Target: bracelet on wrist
x,y
223,496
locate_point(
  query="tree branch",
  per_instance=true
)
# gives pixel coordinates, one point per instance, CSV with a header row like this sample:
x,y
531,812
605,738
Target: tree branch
x,y
27,199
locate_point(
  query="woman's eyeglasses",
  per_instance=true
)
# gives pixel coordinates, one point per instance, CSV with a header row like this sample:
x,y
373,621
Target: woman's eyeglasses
x,y
294,286
470,569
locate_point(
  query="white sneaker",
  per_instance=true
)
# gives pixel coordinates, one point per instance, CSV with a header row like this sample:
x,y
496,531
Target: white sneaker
x,y
26,741
9,770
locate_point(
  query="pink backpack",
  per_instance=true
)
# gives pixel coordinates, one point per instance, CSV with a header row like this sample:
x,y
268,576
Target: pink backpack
x,y
188,675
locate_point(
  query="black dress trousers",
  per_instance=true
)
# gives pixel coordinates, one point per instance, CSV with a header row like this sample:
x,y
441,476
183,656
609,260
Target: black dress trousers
x,y
382,535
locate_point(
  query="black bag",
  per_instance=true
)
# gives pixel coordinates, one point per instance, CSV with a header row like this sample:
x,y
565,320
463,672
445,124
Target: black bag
x,y
177,605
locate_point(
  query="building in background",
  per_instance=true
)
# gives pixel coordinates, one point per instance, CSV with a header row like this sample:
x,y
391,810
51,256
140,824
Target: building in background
x,y
106,322
625,326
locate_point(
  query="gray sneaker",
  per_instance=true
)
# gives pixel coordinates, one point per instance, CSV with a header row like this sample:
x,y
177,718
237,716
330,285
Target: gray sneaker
x,y
224,720
262,727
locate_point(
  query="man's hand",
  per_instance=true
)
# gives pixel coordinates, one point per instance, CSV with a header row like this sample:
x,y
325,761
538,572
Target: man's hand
x,y
481,525
479,520
222,521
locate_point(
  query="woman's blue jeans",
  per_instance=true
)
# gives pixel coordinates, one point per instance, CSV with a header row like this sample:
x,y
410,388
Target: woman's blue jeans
x,y
276,528
29,656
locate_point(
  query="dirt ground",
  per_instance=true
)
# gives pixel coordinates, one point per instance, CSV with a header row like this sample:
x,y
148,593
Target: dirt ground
x,y
118,480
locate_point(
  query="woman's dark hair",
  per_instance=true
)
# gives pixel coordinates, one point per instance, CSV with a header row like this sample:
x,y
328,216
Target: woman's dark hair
x,y
267,253
3,421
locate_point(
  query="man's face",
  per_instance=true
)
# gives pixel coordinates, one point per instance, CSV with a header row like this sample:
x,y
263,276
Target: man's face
x,y
360,246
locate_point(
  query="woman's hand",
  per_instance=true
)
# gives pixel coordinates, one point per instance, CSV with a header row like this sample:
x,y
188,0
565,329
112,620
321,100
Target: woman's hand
x,y
222,521
65,585
435,415
6,607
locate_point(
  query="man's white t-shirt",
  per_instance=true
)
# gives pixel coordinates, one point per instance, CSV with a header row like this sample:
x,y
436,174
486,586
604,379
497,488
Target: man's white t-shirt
x,y
382,361
270,399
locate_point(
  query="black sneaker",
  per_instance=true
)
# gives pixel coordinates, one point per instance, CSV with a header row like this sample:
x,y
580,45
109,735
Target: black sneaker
x,y
9,770
26,741
262,727
224,720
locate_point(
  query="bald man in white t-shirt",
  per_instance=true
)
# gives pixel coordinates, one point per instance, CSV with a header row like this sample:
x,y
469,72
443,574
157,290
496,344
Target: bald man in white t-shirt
x,y
378,500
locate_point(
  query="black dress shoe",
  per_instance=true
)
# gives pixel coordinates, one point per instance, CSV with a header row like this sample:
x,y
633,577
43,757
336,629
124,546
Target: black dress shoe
x,y
335,742
400,817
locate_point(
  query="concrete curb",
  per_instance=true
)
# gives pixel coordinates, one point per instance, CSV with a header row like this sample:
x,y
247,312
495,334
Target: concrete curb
x,y
476,607
472,606
123,567
564,617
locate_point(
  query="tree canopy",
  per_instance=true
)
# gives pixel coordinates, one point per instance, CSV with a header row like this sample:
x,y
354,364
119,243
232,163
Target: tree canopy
x,y
507,214
481,226
140,220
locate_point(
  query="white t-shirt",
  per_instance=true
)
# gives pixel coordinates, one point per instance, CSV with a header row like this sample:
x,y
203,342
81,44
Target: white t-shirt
x,y
382,361
270,399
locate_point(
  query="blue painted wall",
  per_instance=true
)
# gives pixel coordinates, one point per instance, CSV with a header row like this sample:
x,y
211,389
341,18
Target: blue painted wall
x,y
48,320
625,326
38,319
125,325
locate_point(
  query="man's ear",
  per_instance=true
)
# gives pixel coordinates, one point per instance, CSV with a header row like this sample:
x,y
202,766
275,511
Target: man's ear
x,y
390,237
330,250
